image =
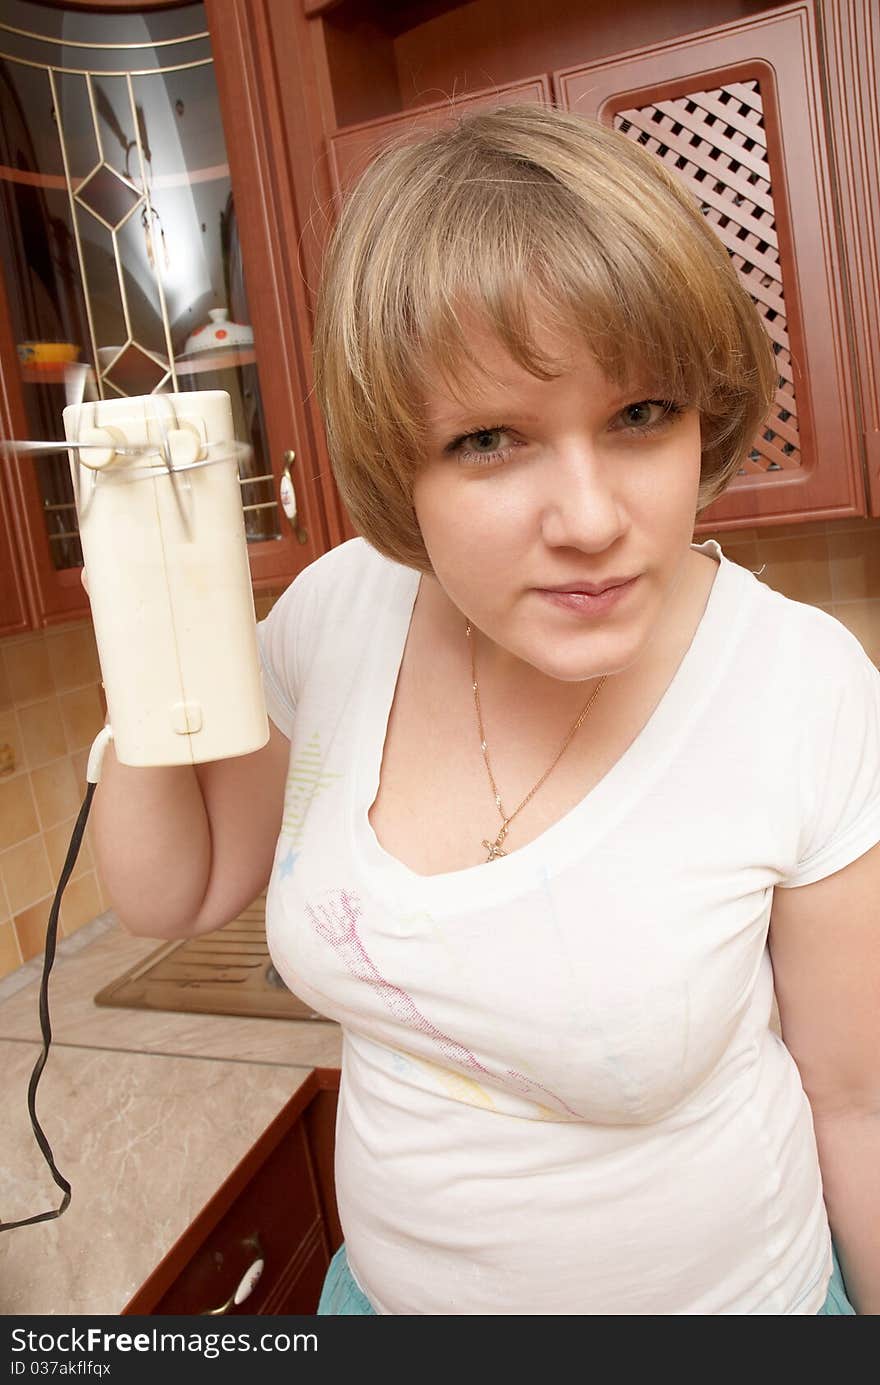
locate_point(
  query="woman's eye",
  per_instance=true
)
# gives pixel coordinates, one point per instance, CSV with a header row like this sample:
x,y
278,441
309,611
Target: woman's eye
x,y
648,414
483,445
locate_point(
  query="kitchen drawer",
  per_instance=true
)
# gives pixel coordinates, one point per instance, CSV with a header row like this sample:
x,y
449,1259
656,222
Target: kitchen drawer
x,y
277,1207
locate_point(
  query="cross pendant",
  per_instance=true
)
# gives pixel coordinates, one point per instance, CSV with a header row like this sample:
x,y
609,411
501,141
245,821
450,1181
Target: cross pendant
x,y
494,848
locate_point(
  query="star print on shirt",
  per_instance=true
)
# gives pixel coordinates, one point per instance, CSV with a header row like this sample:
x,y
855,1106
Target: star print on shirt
x,y
286,866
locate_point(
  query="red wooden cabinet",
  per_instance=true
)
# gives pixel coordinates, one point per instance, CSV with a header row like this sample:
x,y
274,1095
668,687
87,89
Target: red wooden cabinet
x,y
14,617
769,113
269,1231
145,201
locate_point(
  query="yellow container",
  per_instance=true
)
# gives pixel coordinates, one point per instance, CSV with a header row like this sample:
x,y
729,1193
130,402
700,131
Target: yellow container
x,y
37,354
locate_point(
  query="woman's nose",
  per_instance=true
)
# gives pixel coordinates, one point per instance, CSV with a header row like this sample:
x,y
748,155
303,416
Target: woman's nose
x,y
582,506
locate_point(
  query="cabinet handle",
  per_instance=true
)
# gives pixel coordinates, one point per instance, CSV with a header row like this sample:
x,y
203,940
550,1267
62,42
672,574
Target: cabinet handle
x,y
288,498
246,1284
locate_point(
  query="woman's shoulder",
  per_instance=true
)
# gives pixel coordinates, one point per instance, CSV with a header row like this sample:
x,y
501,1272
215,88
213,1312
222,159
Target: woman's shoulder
x,y
813,631
803,657
355,559
341,575
343,591
329,612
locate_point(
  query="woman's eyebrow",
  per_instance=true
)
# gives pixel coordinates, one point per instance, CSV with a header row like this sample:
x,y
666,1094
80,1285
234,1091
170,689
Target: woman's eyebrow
x,y
460,419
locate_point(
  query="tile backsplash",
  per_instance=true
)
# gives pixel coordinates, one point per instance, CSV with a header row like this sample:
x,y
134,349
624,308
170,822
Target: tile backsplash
x,y
51,709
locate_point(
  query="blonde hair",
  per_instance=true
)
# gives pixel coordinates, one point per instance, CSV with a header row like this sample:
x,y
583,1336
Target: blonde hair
x,y
505,205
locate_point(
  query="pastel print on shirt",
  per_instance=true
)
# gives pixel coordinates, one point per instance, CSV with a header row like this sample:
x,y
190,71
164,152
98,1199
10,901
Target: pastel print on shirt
x,y
336,921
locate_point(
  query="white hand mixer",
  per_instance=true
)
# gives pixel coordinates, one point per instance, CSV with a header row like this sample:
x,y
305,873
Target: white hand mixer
x,y
164,547
158,500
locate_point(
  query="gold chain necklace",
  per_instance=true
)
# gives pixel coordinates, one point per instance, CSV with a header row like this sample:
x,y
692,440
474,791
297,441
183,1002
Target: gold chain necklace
x,y
494,848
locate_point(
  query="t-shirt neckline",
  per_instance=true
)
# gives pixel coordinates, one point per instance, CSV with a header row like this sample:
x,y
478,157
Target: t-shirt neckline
x,y
571,836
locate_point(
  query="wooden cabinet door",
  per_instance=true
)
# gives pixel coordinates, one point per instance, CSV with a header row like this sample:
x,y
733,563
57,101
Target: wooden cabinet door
x,y
16,611
14,617
736,112
271,1231
851,47
262,162
266,1236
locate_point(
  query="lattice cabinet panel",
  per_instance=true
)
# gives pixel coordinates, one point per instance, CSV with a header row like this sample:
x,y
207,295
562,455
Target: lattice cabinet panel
x,y
736,113
716,142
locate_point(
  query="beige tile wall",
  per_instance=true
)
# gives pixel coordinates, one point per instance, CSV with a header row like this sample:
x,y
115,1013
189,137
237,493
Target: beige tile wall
x,y
51,708
50,711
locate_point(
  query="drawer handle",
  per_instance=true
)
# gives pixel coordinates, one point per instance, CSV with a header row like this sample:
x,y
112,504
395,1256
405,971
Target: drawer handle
x,y
287,493
246,1284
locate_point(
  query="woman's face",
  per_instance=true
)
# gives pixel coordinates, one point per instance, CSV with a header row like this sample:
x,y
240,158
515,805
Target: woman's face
x,y
536,485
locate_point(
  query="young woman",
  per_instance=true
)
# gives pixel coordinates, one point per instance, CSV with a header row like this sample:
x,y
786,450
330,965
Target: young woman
x,y
564,792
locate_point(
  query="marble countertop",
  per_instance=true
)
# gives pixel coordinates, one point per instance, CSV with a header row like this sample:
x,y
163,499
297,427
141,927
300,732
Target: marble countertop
x,y
147,1112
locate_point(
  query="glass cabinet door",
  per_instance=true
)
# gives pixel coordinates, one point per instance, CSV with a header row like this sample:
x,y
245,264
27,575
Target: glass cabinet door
x,y
118,231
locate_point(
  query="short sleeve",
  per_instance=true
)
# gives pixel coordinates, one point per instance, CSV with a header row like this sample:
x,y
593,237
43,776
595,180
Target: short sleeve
x,y
281,638
840,757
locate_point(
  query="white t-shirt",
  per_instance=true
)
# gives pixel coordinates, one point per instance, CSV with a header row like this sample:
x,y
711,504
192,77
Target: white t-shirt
x,y
560,1093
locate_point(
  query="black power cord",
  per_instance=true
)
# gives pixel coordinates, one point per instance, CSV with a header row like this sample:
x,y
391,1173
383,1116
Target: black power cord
x,y
45,1026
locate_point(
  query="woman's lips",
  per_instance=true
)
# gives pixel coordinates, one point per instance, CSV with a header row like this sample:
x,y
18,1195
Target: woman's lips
x,y
584,604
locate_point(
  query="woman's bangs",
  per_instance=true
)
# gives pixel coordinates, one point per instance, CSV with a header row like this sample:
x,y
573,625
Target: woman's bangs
x,y
631,333
528,256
